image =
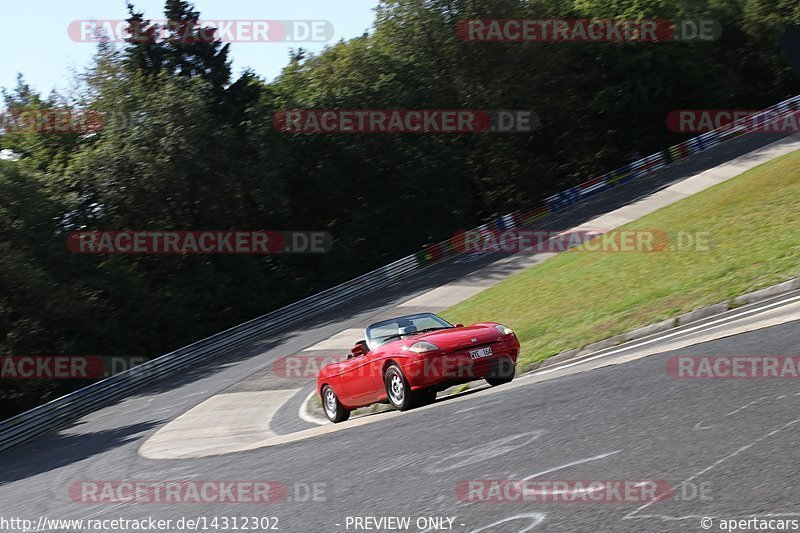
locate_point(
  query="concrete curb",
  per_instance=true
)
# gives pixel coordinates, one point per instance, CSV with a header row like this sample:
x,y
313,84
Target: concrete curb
x,y
664,325
309,414
768,292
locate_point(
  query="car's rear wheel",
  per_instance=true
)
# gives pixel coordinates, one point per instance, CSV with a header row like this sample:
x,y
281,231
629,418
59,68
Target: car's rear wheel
x,y
399,392
504,372
333,408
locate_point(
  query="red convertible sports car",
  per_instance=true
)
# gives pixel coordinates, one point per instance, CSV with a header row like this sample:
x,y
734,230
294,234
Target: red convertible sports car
x,y
405,361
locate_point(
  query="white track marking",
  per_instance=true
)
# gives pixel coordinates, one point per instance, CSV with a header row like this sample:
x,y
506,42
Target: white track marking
x,y
438,462
562,467
700,425
484,407
633,514
535,520
489,450
573,463
742,408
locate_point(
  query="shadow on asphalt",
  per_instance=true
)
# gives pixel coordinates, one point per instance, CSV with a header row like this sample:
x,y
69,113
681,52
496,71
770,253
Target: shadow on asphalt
x,y
56,449
439,400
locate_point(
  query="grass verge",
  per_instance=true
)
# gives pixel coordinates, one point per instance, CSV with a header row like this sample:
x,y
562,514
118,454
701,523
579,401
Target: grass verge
x,y
580,297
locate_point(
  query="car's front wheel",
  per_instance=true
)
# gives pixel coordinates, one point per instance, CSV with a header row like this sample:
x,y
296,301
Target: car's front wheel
x,y
399,392
333,408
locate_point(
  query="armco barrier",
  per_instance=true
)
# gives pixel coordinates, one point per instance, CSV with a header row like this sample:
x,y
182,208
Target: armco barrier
x,y
62,410
631,171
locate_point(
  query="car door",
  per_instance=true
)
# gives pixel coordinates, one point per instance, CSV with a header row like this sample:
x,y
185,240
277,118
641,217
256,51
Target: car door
x,y
359,378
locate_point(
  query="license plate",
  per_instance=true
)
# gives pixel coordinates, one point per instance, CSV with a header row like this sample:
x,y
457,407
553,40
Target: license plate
x,y
483,352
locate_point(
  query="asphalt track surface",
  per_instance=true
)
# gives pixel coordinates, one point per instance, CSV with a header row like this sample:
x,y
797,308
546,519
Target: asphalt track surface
x,y
622,422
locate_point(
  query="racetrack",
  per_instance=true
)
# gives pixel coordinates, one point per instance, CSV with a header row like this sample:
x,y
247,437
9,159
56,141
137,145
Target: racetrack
x,y
617,421
734,438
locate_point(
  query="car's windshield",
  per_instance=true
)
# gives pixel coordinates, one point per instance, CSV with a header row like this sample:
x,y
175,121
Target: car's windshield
x,y
396,328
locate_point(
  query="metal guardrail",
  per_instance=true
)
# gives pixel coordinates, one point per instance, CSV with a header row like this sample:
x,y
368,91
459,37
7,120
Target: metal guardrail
x,y
62,410
620,176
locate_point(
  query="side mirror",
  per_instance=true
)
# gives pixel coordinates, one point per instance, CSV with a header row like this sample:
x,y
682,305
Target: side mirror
x,y
359,349
459,325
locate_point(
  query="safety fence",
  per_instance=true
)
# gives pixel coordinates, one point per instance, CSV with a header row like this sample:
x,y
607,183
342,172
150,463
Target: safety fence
x,y
615,178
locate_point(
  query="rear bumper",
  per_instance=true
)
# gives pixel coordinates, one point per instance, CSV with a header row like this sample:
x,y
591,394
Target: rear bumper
x,y
441,371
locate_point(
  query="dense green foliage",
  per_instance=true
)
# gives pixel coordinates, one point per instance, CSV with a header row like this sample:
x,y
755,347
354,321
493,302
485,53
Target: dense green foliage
x,y
199,151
